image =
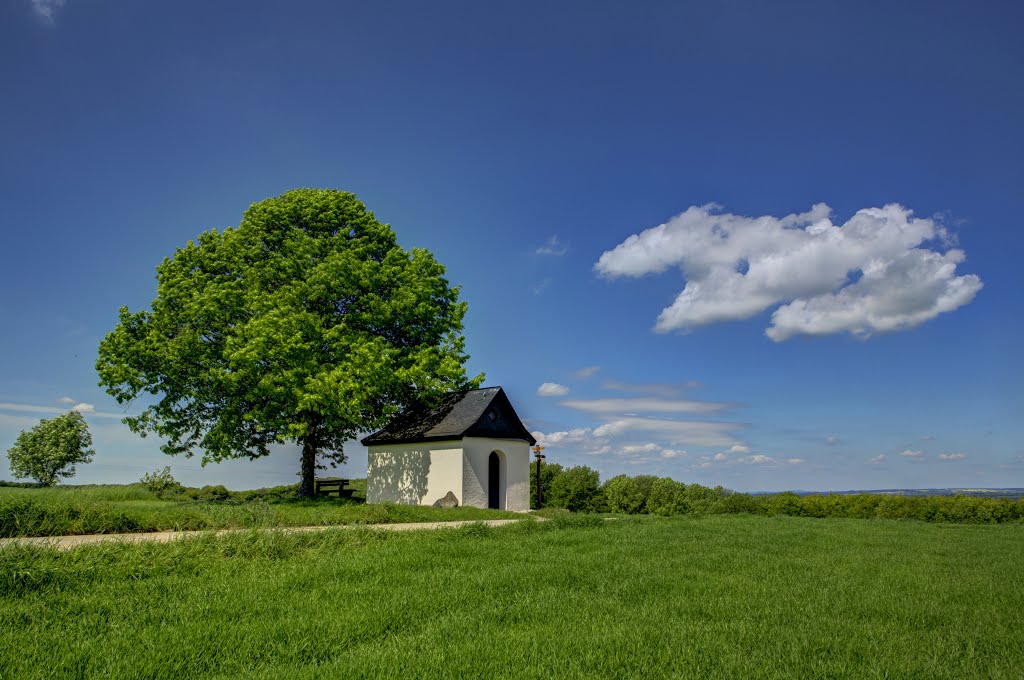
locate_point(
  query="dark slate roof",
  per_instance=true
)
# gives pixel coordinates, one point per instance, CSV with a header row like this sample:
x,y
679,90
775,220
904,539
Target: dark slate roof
x,y
486,412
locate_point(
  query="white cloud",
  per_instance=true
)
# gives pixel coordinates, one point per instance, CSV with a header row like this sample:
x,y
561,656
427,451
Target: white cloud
x,y
795,461
757,459
549,389
633,449
673,453
696,433
53,410
721,456
587,372
552,247
739,448
562,437
911,453
952,456
831,440
45,9
540,286
67,400
645,405
665,390
877,460
874,273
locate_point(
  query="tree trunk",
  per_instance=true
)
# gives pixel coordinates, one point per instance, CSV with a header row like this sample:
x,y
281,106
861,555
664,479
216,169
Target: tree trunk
x,y
308,469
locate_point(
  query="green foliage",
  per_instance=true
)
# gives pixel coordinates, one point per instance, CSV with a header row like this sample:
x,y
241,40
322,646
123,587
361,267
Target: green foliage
x,y
577,489
548,472
307,323
667,497
624,494
105,509
52,449
210,494
574,489
160,482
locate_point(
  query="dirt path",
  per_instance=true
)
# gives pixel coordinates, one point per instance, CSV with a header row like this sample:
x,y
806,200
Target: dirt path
x,y
68,542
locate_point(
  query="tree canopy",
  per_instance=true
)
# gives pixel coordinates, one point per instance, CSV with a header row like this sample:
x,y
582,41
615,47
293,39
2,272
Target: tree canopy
x,y
307,323
52,449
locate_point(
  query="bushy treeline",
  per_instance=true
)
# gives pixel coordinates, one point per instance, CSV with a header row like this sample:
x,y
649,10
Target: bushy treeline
x,y
164,485
579,489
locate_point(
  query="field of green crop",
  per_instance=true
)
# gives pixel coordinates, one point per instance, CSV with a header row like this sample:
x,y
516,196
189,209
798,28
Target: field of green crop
x,y
723,596
98,509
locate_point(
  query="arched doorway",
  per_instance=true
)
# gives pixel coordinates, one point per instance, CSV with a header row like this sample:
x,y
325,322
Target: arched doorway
x,y
494,480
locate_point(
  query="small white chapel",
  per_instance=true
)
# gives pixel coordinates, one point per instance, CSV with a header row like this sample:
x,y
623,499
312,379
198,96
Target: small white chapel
x,y
470,450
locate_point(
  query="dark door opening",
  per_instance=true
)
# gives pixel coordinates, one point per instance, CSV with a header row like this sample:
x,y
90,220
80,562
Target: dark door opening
x,y
493,480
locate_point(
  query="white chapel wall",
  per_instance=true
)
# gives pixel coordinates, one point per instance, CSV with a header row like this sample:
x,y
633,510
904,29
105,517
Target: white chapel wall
x,y
515,478
414,474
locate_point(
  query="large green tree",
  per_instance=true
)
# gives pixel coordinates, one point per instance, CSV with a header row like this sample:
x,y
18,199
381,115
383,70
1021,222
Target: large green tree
x,y
307,323
52,449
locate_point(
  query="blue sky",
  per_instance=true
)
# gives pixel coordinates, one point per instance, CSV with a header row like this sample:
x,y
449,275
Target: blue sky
x,y
608,182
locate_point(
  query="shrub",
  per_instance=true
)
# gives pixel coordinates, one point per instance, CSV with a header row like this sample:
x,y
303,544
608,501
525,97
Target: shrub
x,y
548,473
216,494
577,489
623,494
160,482
667,497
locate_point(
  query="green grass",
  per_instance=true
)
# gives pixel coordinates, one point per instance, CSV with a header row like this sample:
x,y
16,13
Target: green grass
x,y
727,596
131,508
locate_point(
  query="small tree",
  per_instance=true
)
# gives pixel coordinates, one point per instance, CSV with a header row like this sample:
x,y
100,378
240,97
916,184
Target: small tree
x,y
577,489
548,472
52,449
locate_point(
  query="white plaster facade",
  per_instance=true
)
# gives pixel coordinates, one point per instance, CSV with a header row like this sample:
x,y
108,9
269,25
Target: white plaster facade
x,y
424,472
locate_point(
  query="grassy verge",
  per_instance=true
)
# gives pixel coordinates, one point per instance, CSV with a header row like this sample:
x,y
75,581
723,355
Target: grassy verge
x,y
731,596
131,508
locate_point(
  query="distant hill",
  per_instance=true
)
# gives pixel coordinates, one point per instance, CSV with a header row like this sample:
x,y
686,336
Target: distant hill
x,y
1012,494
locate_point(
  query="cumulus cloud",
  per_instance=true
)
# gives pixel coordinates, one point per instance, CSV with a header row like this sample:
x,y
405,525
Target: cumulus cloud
x,y
696,433
876,272
549,389
877,460
552,247
911,453
587,372
563,437
739,448
67,400
45,9
84,408
952,456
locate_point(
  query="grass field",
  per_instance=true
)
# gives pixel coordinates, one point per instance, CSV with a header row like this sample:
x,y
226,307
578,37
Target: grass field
x,y
131,508
725,596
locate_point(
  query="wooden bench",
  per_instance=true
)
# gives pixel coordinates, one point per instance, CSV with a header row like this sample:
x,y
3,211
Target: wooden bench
x,y
326,487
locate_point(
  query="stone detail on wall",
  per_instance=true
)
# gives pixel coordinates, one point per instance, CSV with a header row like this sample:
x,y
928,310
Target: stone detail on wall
x,y
449,501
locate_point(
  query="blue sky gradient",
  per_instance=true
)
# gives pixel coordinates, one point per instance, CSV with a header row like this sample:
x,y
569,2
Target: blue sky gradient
x,y
520,143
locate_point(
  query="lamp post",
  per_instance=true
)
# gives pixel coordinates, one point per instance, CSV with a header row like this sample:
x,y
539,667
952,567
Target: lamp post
x,y
540,456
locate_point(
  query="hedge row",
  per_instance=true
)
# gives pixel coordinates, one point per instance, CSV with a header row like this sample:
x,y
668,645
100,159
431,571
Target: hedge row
x,y
579,489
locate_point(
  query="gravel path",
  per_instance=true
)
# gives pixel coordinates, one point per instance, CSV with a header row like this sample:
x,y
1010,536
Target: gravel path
x,y
68,542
